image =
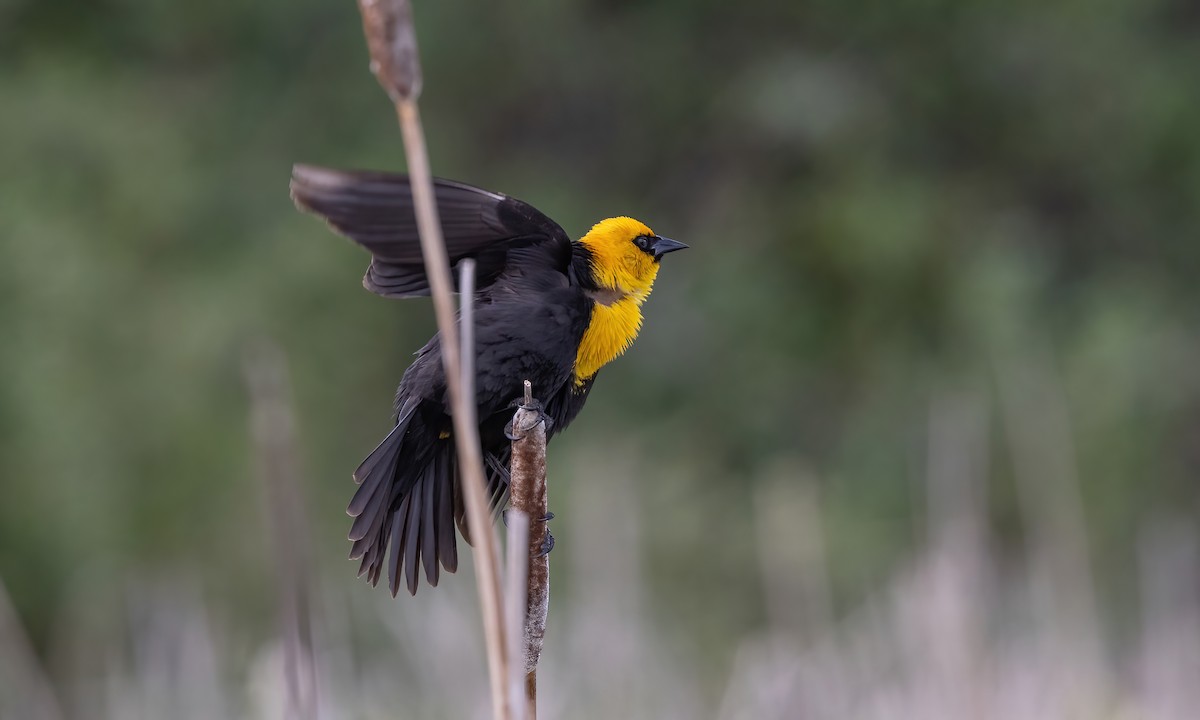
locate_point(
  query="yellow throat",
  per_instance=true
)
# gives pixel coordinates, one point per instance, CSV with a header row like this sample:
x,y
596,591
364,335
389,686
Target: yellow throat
x,y
611,331
626,275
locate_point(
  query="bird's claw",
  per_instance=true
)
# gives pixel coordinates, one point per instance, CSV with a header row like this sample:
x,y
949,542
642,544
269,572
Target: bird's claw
x,y
548,542
536,407
547,546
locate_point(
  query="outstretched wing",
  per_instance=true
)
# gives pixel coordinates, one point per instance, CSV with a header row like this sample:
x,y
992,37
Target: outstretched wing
x,y
375,210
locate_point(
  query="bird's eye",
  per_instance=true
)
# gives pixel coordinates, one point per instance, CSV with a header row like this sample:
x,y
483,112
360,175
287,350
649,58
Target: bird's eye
x,y
642,242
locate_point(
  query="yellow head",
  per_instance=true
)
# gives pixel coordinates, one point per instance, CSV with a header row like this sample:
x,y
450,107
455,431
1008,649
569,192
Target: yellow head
x,y
625,255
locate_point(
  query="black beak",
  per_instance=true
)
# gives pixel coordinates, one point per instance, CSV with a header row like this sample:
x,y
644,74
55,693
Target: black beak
x,y
661,246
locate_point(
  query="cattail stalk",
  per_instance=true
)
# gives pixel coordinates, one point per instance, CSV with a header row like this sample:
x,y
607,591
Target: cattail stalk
x,y
392,42
527,496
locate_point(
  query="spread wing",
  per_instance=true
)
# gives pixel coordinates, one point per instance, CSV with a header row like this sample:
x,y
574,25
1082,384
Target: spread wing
x,y
375,210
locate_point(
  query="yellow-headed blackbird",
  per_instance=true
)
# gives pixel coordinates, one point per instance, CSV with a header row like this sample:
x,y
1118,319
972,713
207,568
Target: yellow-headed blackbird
x,y
548,310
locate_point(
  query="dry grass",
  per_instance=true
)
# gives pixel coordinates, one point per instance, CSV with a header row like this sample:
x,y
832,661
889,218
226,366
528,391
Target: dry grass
x,y
953,634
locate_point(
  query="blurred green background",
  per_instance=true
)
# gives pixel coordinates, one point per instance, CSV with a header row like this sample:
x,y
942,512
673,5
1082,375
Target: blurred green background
x,y
887,203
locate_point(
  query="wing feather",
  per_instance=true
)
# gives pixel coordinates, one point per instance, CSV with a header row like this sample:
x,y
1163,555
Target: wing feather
x,y
375,210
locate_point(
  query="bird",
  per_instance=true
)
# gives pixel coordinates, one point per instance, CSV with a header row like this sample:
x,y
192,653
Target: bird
x,y
547,309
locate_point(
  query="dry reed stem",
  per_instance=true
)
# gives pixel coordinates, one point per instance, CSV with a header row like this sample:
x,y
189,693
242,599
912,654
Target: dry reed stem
x,y
391,39
1039,432
954,578
790,546
272,429
515,598
527,493
28,691
487,572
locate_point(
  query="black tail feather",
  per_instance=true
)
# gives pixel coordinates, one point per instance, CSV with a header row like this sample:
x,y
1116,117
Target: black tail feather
x,y
496,474
446,545
460,508
412,541
373,515
414,517
429,548
409,497
399,520
376,484
369,522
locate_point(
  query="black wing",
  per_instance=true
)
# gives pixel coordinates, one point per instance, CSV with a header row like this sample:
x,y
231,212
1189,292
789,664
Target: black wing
x,y
375,209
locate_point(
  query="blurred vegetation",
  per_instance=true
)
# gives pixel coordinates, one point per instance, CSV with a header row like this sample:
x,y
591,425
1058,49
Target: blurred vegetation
x,y
884,200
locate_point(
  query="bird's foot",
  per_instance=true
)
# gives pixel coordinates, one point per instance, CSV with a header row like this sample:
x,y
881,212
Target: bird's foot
x,y
548,542
547,546
513,434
